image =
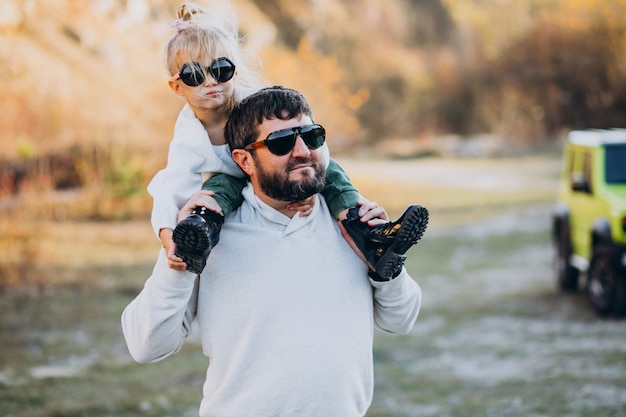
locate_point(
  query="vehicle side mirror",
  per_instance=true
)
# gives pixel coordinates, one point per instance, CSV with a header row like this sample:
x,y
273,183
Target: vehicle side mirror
x,y
579,182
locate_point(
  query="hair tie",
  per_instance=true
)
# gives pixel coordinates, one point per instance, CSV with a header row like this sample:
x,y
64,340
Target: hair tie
x,y
179,25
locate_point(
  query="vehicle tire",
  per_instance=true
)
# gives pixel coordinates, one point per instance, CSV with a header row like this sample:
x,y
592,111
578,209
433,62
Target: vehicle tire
x,y
606,282
566,274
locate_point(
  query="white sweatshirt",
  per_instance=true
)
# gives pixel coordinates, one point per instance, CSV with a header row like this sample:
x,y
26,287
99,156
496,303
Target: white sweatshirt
x,y
286,315
191,154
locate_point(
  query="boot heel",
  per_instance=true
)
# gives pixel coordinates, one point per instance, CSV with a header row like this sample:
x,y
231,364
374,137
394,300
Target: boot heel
x,y
388,267
195,236
412,229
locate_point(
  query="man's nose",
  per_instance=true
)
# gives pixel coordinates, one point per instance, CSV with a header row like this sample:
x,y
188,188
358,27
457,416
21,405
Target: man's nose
x,y
300,148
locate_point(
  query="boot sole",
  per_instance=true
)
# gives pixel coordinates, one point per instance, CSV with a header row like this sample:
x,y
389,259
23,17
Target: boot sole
x,y
195,263
411,230
193,245
389,265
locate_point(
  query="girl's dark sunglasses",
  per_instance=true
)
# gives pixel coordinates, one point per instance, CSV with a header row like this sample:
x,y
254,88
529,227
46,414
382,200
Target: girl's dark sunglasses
x,y
193,74
281,142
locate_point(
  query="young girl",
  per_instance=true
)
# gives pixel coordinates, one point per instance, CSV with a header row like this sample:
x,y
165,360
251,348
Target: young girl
x,y
209,71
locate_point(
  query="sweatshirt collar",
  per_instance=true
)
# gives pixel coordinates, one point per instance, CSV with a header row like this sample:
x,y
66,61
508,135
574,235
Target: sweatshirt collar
x,y
272,215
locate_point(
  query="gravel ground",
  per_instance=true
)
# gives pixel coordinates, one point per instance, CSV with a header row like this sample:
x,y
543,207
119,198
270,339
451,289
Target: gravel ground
x,y
494,337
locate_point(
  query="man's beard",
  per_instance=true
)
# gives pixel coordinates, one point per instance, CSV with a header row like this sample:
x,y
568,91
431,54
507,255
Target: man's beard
x,y
278,186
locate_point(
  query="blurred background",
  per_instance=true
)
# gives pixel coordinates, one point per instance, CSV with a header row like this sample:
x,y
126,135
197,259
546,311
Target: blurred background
x,y
459,106
86,104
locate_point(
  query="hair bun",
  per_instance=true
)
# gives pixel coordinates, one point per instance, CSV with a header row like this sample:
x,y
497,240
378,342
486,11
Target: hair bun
x,y
187,11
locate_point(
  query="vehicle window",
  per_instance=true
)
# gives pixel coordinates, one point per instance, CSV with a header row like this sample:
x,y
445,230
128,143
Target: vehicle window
x,y
572,161
587,170
615,163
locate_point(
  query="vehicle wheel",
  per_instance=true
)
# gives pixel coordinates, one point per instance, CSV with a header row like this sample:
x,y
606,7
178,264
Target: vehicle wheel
x,y
606,283
566,274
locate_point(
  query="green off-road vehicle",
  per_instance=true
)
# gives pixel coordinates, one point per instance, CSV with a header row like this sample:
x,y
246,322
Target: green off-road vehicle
x,y
589,221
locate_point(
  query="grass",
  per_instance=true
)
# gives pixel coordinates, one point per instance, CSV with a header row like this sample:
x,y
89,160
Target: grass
x,y
491,347
64,355
494,337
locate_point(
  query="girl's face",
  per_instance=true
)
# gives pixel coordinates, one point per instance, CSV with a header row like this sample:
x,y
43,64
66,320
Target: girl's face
x,y
211,94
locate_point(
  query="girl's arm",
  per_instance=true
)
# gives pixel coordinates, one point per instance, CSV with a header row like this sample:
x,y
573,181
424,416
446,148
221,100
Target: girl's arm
x,y
339,192
226,190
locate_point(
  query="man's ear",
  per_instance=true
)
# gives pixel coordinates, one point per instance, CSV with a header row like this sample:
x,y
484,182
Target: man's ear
x,y
176,87
244,159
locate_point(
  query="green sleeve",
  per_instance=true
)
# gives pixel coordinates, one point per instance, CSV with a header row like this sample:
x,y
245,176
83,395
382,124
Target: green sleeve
x,y
227,191
339,192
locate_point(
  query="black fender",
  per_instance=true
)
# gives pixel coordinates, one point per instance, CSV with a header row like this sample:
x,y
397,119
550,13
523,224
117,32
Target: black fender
x,y
601,232
560,219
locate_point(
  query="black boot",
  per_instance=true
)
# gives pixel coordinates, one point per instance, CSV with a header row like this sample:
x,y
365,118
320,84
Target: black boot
x,y
384,245
196,235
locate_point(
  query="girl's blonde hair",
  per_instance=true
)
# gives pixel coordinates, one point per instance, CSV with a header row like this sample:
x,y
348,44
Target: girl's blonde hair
x,y
202,34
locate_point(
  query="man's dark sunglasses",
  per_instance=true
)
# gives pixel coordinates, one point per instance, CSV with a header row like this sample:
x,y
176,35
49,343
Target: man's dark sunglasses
x,y
281,142
193,74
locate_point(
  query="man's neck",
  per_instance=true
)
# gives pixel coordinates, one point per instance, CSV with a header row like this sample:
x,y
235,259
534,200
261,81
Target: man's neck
x,y
280,206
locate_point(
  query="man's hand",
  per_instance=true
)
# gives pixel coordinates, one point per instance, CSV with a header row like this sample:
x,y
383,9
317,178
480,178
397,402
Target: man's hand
x,y
201,198
353,245
371,213
173,261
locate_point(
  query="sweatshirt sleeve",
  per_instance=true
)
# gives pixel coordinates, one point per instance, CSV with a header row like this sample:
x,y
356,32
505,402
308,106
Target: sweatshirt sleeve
x,y
396,303
158,320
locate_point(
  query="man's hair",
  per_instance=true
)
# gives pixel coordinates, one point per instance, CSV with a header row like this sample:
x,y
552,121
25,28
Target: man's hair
x,y
275,102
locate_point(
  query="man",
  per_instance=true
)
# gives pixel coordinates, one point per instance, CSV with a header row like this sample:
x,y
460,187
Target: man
x,y
285,308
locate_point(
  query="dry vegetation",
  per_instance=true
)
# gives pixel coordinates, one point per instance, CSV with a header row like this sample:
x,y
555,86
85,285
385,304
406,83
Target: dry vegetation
x,y
87,116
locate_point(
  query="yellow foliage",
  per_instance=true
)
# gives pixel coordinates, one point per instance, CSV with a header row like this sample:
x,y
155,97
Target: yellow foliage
x,y
322,81
25,148
19,246
498,23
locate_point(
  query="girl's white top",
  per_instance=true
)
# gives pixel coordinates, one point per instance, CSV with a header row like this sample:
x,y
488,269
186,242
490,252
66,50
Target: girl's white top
x,y
190,161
